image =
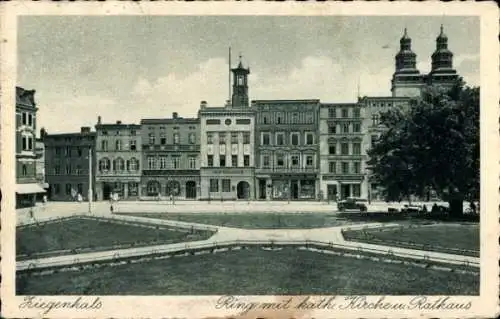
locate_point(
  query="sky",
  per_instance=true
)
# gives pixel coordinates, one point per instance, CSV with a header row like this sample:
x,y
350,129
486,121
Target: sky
x,y
134,67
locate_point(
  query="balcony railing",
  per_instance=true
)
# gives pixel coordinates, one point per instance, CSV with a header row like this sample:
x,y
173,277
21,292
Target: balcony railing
x,y
310,169
170,147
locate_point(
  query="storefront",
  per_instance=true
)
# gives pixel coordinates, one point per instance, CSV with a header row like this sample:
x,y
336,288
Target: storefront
x,y
341,187
180,186
292,187
123,188
26,194
227,183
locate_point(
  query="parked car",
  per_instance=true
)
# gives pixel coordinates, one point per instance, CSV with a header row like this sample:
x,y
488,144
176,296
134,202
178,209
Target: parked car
x,y
411,209
352,204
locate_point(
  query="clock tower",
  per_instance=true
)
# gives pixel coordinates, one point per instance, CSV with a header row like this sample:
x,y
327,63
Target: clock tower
x,y
240,86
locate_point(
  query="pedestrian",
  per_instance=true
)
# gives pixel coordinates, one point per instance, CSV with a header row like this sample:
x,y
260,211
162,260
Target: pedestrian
x,y
31,213
44,199
111,209
473,207
424,209
79,198
434,209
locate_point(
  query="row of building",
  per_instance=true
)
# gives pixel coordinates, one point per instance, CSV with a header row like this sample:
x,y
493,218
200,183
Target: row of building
x,y
258,150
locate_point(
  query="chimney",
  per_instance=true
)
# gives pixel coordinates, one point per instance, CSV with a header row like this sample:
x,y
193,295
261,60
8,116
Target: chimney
x,y
118,122
85,129
174,115
203,104
99,120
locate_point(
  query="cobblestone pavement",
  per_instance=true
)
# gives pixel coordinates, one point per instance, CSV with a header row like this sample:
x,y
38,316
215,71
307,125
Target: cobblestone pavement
x,y
331,235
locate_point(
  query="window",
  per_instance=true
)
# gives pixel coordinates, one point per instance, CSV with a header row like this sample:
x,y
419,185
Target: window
x,y
78,170
151,162
79,152
265,161
332,112
332,128
295,160
104,164
278,118
58,151
192,162
280,160
246,160
373,140
153,188
345,112
356,190
309,118
295,138
356,148
345,128
356,112
133,189
356,128
118,145
345,168
212,122
57,189
332,167
222,160
309,138
234,160
104,145
210,138
24,170
176,138
210,160
67,151
222,138
192,138
163,162
79,188
117,133
57,170
234,138
68,189
133,145
163,138
280,138
226,185
309,160
357,167
132,132
30,119
246,138
295,118
151,138
25,116
30,143
68,169
332,149
243,121
344,148
119,165
375,119
214,185
104,132
133,164
264,119
266,139
176,161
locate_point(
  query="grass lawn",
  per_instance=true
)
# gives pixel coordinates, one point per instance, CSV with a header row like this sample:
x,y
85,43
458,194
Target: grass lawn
x,y
254,272
86,233
255,220
449,238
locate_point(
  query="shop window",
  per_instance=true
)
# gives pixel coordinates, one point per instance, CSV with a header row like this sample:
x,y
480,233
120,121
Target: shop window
x,y
226,185
133,189
214,185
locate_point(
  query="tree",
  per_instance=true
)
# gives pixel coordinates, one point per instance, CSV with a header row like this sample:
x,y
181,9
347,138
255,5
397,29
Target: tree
x,y
432,144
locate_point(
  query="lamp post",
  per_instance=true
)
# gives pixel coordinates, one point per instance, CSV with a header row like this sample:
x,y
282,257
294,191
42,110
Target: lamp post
x,y
89,195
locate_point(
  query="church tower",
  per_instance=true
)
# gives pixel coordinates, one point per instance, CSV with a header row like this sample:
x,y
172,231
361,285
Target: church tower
x,y
239,98
406,80
442,72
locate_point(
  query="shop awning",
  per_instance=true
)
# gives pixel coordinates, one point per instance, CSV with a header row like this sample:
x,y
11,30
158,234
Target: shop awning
x,y
45,185
29,189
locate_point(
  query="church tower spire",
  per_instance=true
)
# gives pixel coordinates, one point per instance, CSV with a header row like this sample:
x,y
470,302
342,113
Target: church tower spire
x,y
442,72
240,86
406,80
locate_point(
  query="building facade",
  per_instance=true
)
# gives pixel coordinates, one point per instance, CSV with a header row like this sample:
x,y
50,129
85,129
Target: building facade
x,y
407,81
68,158
287,149
342,151
227,144
27,186
118,159
170,157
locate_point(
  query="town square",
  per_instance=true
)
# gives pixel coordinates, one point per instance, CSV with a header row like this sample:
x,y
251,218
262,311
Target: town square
x,y
196,155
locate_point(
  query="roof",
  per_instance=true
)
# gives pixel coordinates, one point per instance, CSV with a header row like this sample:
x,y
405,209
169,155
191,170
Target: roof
x,y
58,135
311,101
117,126
339,104
179,120
25,97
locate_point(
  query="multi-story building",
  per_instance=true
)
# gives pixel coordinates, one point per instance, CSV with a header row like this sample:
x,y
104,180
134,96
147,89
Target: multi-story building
x,y
170,156
407,80
68,157
287,149
27,186
40,163
227,144
342,151
118,158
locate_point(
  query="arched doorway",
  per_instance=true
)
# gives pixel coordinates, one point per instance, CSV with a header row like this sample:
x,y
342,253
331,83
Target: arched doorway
x,y
191,189
243,190
173,188
153,188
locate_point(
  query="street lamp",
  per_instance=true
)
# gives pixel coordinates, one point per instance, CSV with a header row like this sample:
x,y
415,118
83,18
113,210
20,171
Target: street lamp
x,y
89,195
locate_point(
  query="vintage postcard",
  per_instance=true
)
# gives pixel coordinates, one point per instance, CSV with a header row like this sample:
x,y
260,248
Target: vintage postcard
x,y
249,160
